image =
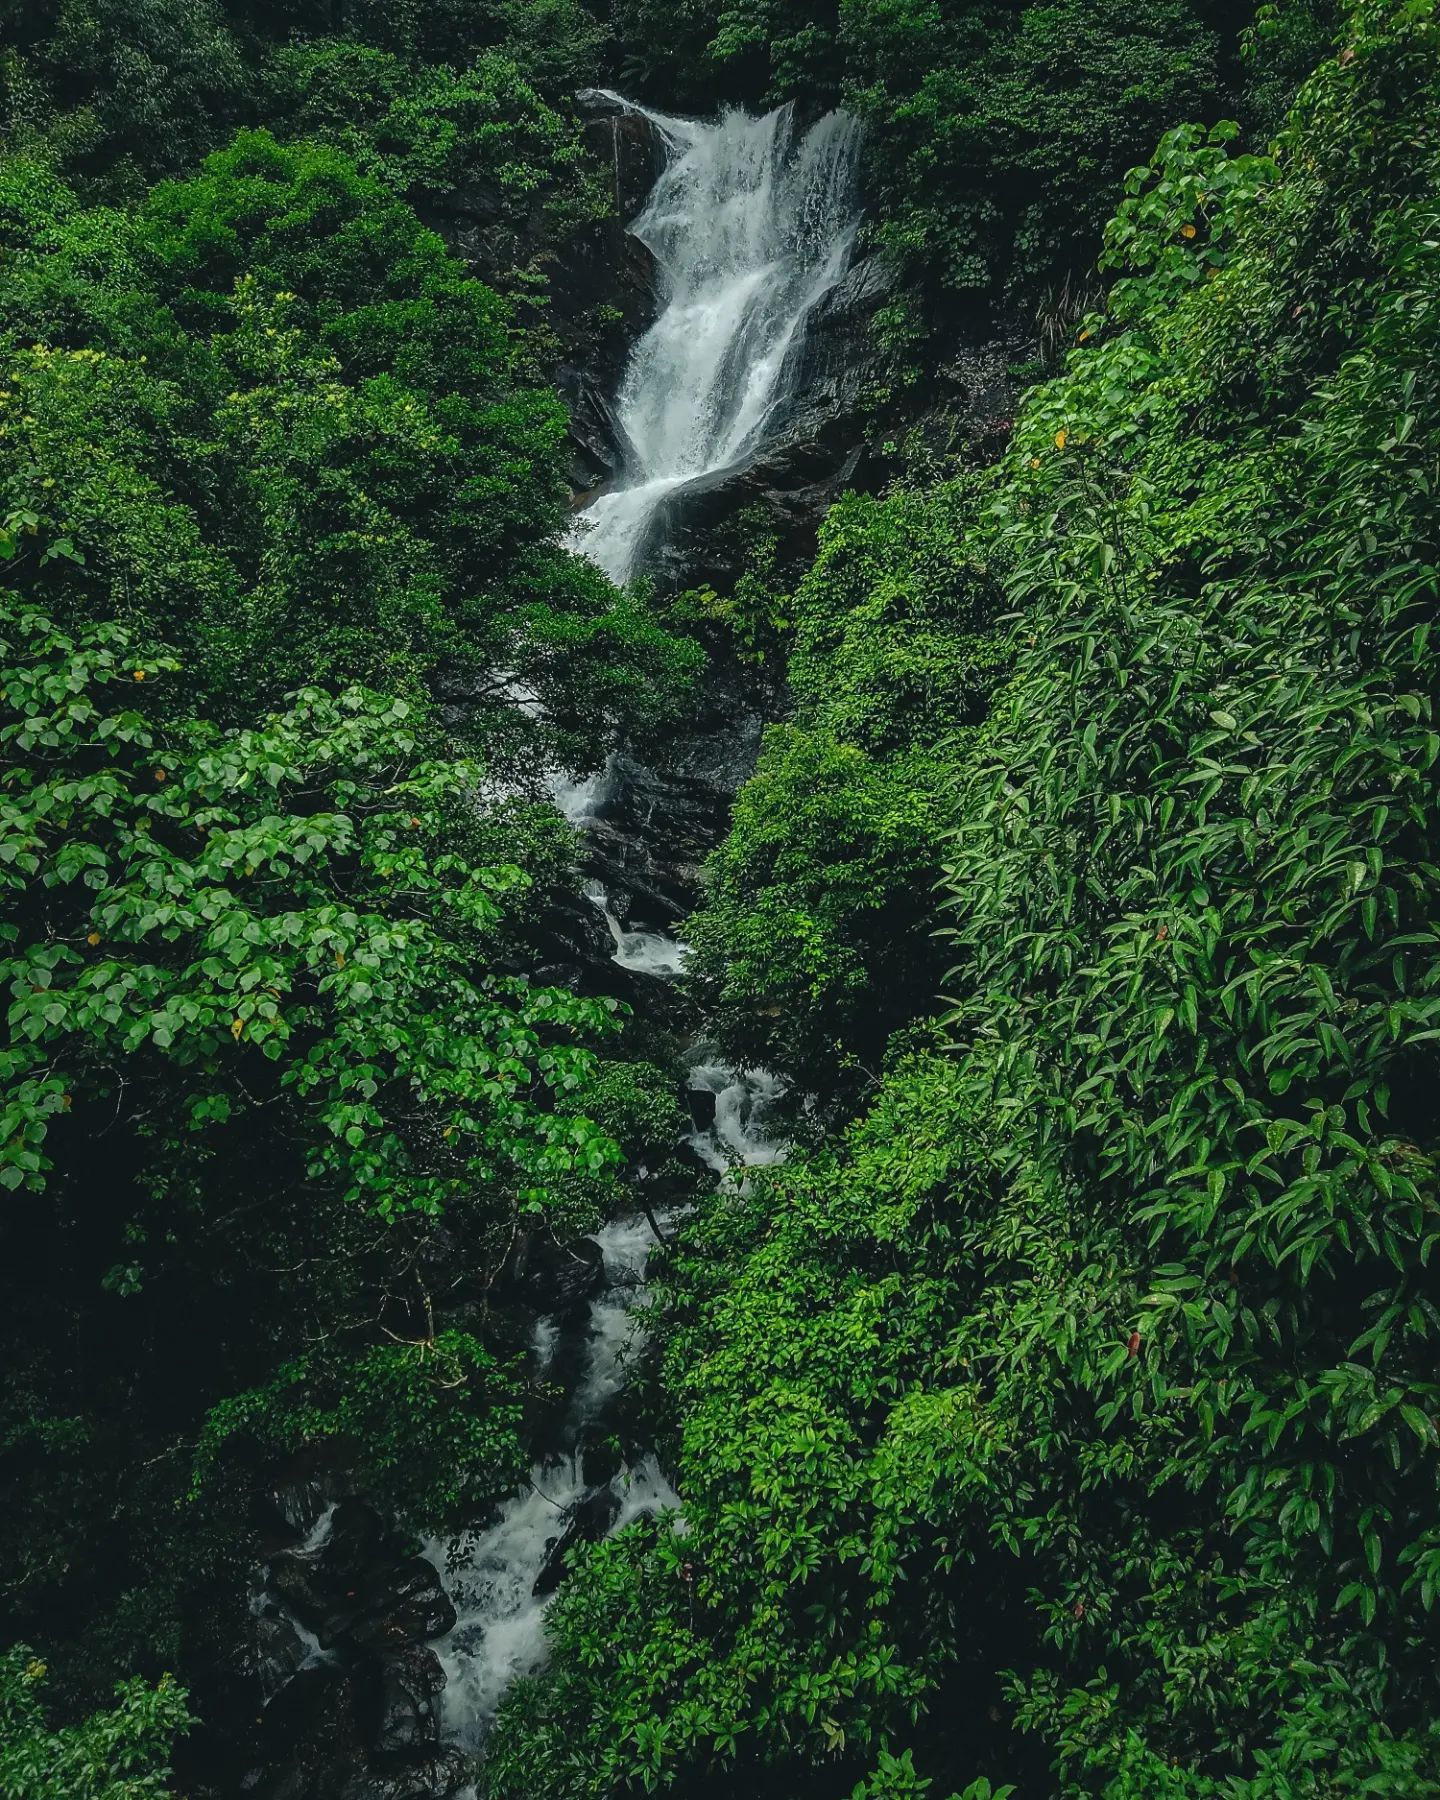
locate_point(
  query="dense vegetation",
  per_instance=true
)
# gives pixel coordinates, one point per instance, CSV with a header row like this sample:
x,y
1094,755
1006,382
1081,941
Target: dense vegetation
x,y
1068,1425
281,492
998,134
1061,1419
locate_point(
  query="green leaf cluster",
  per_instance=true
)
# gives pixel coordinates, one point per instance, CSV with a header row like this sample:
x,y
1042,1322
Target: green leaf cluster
x,y
811,944
122,1754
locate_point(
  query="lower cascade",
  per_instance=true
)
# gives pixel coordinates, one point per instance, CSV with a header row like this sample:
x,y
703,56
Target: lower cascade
x,y
750,225
502,1578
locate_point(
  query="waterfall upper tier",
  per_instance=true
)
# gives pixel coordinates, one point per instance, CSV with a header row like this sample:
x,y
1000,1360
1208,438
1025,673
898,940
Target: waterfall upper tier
x,y
751,224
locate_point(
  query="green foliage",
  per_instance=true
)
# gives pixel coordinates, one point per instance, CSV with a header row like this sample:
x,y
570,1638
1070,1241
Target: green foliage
x,y
289,638
806,944
119,89
997,140
117,92
123,1754
798,1320
810,945
261,1033
173,891
1069,1425
894,640
271,406
997,135
481,137
430,1429
552,41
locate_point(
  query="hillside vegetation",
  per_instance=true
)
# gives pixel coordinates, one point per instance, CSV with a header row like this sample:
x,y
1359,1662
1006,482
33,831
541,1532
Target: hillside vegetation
x,y
1062,1420
1069,1423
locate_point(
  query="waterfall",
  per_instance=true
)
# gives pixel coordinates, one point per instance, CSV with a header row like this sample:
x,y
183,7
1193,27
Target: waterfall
x,y
750,226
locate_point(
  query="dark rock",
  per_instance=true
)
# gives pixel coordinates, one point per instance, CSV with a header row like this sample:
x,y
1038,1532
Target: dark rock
x,y
702,1103
324,1583
353,1587
791,485
837,359
295,1581
630,143
358,1540
576,936
586,1523
406,1722
280,1646
293,1507
600,1461
309,1736
655,825
599,444
402,1605
604,292
603,296
438,1775
554,1278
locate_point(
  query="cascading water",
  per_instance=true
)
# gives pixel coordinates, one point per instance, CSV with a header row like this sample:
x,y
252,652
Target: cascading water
x,y
499,1585
749,227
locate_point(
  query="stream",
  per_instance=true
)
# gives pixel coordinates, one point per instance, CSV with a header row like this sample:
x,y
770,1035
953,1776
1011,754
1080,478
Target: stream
x,y
751,223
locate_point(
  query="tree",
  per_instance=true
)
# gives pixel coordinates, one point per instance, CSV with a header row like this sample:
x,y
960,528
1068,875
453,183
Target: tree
x,y
123,1754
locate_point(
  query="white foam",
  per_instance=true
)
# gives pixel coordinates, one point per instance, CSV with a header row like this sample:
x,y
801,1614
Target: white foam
x,y
749,230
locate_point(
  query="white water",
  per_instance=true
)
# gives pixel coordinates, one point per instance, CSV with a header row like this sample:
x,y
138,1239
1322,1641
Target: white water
x,y
289,1645
741,1137
500,1632
749,226
642,952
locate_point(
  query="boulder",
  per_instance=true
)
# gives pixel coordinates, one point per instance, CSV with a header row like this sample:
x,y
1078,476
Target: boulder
x,y
556,1278
402,1605
599,446
586,1523
357,1541
600,1460
280,1646
630,143
702,1102
296,1582
438,1775
792,484
406,1722
310,1739
355,1589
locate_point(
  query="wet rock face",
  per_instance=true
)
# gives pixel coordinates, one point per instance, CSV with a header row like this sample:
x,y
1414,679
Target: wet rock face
x,y
628,142
403,1605
839,359
555,1278
357,1719
603,292
310,1737
816,447
656,822
410,1681
587,1522
439,1775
